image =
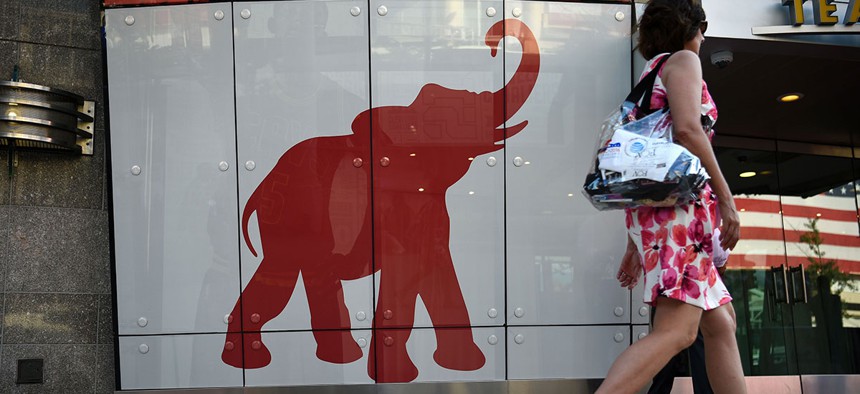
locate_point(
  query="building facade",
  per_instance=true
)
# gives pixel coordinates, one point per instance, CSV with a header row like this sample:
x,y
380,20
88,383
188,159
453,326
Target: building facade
x,y
288,179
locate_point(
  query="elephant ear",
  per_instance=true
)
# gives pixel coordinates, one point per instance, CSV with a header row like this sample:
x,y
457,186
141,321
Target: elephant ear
x,y
361,124
370,120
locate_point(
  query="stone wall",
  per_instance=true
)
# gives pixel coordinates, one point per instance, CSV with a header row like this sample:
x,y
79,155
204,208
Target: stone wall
x,y
55,283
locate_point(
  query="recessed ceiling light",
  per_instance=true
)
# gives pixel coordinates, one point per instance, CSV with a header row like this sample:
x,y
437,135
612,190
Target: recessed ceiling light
x,y
789,97
747,174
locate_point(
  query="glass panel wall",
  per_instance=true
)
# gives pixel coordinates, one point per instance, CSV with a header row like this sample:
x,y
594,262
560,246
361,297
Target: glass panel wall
x,y
764,331
794,275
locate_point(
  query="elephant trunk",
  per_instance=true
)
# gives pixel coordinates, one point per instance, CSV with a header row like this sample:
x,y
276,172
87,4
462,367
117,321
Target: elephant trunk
x,y
508,100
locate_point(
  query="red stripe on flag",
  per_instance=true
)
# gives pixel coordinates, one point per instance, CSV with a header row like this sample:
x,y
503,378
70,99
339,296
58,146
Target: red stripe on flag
x,y
750,204
768,206
776,234
763,233
826,238
813,212
737,261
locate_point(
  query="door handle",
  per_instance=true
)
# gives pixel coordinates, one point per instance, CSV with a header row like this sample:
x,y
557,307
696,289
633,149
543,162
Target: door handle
x,y
780,284
798,284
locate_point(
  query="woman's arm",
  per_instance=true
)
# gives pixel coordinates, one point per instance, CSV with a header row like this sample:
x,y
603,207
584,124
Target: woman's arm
x,y
682,76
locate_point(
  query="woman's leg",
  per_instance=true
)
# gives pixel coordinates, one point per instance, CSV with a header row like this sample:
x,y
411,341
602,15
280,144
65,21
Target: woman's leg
x,y
675,327
722,358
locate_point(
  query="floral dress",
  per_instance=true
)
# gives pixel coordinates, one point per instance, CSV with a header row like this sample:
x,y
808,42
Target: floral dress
x,y
675,243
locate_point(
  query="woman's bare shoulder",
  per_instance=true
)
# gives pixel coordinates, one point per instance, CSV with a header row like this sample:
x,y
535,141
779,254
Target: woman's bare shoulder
x,y
684,58
686,61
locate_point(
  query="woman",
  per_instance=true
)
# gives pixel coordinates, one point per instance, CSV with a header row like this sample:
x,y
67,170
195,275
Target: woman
x,y
673,244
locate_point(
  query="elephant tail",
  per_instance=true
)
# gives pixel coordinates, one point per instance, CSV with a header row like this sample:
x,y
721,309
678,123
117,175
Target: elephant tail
x,y
250,207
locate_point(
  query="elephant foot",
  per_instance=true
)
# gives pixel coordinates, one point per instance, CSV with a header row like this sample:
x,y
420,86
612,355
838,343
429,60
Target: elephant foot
x,y
232,352
256,353
456,350
337,347
462,359
256,356
390,363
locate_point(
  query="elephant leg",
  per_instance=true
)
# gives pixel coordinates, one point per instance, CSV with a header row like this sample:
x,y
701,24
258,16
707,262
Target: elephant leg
x,y
232,353
330,318
440,292
395,315
262,300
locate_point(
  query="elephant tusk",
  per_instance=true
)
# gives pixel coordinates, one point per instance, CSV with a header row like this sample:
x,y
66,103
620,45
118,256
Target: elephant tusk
x,y
508,132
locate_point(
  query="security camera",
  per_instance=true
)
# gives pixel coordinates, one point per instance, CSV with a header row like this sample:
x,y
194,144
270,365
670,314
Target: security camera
x,y
722,59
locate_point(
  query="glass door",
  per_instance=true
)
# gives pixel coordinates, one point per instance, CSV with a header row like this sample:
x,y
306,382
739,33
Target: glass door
x,y
818,194
757,275
794,275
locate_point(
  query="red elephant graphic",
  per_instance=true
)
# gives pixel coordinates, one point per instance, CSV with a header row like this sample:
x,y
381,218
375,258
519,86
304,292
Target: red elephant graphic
x,y
428,145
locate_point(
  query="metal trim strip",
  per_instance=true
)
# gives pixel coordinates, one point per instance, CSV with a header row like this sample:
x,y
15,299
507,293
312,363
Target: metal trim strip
x,y
826,384
804,29
30,86
41,134
45,105
560,386
789,384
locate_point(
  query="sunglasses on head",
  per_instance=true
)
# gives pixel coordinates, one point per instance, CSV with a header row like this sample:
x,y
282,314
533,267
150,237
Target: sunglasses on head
x,y
703,26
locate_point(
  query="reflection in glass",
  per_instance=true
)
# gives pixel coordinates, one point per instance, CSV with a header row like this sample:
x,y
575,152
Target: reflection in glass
x,y
822,240
799,218
756,272
757,199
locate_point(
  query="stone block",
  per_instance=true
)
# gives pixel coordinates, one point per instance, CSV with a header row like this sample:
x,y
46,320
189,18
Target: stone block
x,y
8,54
105,334
67,368
10,23
71,23
5,184
105,369
38,318
58,179
76,70
58,250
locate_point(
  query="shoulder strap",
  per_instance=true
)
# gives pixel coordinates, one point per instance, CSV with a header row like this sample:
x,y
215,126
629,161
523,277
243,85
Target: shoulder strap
x,y
645,87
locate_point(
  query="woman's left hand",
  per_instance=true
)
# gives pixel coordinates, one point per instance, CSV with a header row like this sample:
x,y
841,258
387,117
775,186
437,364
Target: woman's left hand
x,y
630,269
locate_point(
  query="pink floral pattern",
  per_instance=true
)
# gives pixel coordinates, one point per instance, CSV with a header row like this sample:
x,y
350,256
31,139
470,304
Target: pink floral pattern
x,y
675,243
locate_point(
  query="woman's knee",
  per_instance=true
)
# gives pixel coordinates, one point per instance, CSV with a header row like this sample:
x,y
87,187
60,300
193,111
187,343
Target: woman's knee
x,y
678,321
687,337
719,322
677,338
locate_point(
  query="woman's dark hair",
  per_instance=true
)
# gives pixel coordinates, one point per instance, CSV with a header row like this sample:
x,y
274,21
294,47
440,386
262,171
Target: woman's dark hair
x,y
666,25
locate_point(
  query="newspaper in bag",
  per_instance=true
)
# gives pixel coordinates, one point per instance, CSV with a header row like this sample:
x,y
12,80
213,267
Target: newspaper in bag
x,y
637,164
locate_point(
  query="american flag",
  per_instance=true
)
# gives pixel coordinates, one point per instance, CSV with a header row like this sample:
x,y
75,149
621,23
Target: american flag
x,y
772,226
